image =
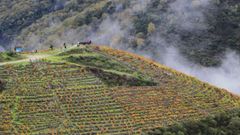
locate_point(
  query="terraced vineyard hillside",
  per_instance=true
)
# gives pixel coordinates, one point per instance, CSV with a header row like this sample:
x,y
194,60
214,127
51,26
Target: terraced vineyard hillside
x,y
98,90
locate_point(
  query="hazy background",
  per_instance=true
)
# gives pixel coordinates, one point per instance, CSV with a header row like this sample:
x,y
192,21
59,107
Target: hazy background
x,y
187,16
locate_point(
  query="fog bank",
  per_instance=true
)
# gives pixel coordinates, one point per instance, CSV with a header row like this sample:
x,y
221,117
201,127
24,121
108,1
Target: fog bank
x,y
226,76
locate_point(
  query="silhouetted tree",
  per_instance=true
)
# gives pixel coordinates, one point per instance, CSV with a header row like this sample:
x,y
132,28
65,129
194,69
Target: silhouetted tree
x,y
2,85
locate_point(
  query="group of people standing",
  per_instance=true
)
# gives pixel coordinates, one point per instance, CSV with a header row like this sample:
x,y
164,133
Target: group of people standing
x,y
78,44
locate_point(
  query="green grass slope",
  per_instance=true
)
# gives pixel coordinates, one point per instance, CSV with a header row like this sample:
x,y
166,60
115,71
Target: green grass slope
x,y
10,56
99,90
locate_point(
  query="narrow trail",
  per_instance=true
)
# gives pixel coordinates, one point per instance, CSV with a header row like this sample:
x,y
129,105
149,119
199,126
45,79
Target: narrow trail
x,y
29,58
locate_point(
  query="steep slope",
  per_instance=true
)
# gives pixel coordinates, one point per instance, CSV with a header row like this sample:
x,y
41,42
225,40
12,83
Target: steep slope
x,y
99,90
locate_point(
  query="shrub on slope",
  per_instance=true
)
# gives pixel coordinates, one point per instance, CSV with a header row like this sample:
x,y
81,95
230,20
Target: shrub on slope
x,y
227,123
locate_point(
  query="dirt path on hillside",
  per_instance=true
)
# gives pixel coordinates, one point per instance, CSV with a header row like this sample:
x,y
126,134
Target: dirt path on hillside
x,y
29,58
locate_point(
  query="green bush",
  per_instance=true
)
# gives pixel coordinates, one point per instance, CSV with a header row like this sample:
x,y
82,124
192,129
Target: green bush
x,y
227,123
11,54
99,62
115,79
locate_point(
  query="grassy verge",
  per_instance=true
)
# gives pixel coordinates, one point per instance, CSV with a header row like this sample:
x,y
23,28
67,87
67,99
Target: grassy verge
x,y
10,56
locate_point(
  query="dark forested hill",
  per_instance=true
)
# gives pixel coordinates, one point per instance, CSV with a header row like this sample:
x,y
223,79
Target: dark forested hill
x,y
17,15
199,28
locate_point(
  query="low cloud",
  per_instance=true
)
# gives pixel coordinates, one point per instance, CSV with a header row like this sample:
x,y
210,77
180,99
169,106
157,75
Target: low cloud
x,y
225,76
110,33
189,15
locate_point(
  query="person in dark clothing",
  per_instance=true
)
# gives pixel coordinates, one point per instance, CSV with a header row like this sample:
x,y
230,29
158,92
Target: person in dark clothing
x,y
89,42
51,47
65,46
